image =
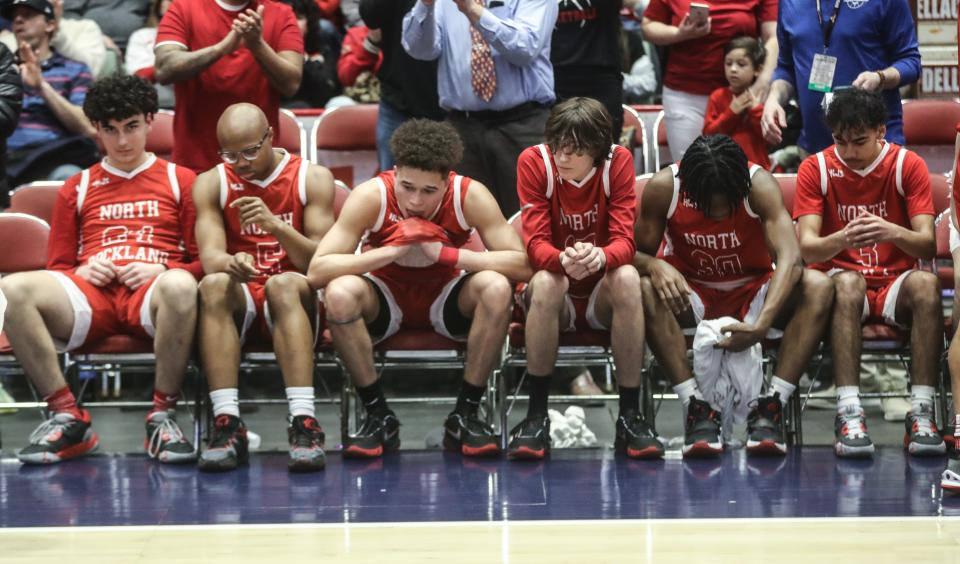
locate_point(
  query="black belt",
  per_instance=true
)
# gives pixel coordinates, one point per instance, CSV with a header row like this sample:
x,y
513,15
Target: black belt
x,y
509,114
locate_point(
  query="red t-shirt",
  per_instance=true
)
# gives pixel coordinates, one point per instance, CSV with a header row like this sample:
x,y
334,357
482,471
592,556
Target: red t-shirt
x,y
558,213
284,192
696,66
723,253
146,215
448,215
234,78
744,128
895,187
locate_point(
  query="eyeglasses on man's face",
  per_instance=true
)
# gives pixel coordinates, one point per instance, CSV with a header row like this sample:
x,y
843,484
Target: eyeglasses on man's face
x,y
248,154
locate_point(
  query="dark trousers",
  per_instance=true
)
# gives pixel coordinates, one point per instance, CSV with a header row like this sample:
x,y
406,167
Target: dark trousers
x,y
605,88
491,148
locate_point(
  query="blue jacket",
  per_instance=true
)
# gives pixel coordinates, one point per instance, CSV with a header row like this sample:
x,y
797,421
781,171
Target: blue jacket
x,y
869,35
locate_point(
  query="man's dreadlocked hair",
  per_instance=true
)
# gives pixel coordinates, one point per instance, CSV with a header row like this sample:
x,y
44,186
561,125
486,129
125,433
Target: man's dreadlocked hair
x,y
714,164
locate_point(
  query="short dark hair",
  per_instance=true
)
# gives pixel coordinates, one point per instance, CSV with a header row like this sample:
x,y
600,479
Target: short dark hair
x,y
751,45
424,144
118,97
580,124
711,165
853,109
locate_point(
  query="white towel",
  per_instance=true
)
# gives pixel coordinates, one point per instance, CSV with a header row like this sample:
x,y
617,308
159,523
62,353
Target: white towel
x,y
3,308
568,430
729,381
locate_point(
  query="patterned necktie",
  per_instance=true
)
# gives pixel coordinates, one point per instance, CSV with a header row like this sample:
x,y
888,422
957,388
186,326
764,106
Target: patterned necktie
x,y
483,76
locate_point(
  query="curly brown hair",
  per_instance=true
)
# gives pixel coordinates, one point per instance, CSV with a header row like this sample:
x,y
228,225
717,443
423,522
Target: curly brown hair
x,y
119,97
580,125
424,144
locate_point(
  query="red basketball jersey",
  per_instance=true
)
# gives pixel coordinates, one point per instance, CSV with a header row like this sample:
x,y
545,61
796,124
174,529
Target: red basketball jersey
x,y
284,192
145,215
449,215
580,211
896,187
721,253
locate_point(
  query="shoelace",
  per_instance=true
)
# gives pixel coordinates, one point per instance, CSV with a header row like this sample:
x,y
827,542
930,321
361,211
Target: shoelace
x,y
853,426
156,438
306,436
923,425
638,426
39,435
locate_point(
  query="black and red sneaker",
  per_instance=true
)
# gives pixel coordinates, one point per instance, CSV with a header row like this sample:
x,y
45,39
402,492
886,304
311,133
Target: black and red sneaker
x,y
306,440
702,431
530,440
765,429
61,437
468,435
228,446
635,438
378,433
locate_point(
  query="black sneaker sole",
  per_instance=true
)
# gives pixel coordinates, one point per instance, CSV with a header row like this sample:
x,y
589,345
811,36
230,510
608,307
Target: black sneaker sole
x,y
703,449
303,466
225,465
651,452
489,450
357,451
766,447
527,453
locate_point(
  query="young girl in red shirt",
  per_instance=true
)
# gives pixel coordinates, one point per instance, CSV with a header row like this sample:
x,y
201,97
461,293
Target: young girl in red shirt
x,y
734,110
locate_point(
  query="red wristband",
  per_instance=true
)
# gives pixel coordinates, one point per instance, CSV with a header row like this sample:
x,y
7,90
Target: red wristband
x,y
449,256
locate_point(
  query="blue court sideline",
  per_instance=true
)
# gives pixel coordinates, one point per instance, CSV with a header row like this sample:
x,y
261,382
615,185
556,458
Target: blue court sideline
x,y
431,486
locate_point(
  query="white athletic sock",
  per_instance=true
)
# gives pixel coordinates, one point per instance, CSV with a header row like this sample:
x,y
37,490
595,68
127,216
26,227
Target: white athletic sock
x,y
782,387
921,398
848,398
300,400
226,402
686,390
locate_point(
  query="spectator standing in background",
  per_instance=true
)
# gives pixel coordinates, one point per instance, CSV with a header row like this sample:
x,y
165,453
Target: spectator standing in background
x,y
694,66
494,78
868,44
139,59
360,53
53,138
735,110
586,55
408,87
11,94
222,52
319,82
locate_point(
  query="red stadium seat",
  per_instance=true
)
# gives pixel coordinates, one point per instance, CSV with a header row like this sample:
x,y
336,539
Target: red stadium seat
x,y
661,149
640,158
928,130
160,137
788,189
36,199
25,242
941,193
344,140
291,136
943,262
25,248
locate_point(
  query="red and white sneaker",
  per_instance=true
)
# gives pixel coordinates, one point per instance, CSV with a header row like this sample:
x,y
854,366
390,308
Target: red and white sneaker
x,y
950,479
61,437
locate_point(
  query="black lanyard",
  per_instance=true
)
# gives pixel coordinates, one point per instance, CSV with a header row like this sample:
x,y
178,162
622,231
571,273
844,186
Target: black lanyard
x,y
833,20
